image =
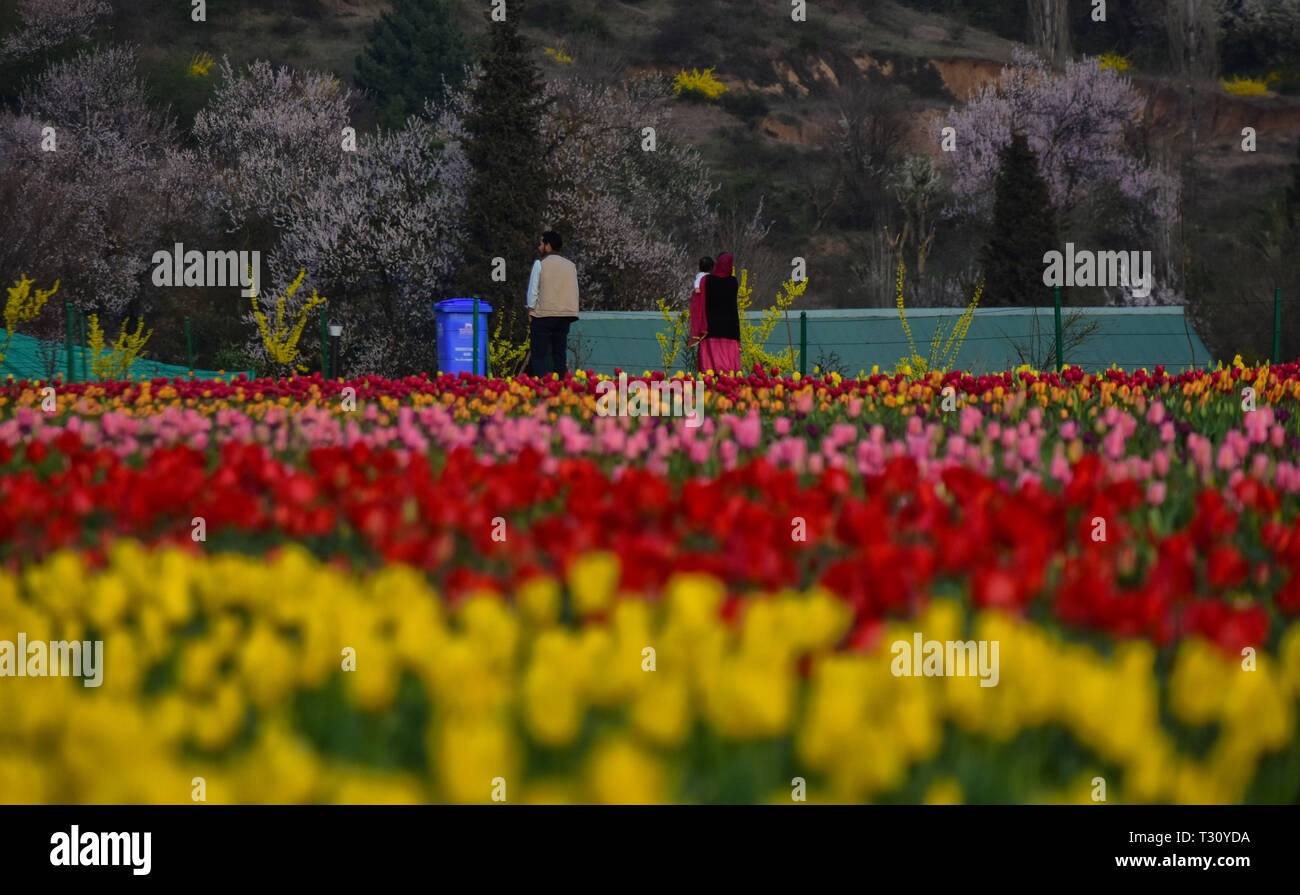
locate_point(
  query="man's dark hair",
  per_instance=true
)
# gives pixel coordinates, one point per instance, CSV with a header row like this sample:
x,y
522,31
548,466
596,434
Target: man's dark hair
x,y
553,239
706,264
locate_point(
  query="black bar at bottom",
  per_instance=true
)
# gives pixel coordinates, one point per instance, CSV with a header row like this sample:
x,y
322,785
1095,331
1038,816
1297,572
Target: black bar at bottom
x,y
926,844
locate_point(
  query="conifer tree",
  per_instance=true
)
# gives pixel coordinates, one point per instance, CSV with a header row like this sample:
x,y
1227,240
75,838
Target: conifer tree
x,y
1024,229
1293,195
411,49
507,197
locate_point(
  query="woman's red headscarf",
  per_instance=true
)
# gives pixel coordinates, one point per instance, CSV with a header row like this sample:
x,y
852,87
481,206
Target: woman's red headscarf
x,y
722,267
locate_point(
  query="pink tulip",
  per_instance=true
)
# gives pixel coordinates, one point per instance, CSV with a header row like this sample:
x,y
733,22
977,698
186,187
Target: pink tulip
x,y
1160,463
1113,444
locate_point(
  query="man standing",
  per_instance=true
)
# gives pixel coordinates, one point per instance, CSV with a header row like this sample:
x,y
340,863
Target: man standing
x,y
552,306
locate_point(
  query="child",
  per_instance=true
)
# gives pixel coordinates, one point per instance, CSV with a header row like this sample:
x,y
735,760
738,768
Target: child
x,y
698,326
706,265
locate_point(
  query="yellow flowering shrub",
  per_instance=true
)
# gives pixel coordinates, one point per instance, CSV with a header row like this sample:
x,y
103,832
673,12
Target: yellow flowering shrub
x,y
1239,86
200,65
754,336
23,305
121,354
506,357
1114,61
943,354
676,340
698,84
281,338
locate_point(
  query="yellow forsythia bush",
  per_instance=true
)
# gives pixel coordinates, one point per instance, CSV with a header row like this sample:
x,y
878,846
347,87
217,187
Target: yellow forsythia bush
x,y
122,353
281,338
23,306
698,83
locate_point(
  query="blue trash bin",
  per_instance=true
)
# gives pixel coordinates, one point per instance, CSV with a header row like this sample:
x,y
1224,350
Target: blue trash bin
x,y
454,319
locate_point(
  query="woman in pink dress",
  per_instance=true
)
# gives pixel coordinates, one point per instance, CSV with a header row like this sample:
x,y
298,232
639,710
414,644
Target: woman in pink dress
x,y
720,348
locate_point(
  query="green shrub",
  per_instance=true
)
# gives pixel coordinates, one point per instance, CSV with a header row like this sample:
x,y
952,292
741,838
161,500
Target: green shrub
x,y
234,358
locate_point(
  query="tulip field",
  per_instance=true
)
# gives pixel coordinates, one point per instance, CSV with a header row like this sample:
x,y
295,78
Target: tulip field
x,y
451,589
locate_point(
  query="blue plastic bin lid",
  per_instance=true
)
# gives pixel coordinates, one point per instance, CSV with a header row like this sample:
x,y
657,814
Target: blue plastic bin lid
x,y
462,306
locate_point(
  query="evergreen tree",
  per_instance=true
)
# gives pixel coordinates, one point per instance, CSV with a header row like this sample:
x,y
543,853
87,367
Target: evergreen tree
x,y
1293,195
411,49
1024,229
507,198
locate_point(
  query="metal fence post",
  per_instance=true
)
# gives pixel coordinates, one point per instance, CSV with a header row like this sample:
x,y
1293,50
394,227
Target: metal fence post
x,y
81,315
67,324
324,347
475,368
803,343
1060,350
1277,324
189,345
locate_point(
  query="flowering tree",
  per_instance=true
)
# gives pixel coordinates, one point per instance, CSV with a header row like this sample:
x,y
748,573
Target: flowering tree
x,y
272,135
98,97
627,213
90,212
381,234
377,229
1076,123
48,23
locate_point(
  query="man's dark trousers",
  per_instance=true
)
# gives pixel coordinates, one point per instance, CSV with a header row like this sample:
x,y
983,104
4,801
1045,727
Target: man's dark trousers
x,y
550,338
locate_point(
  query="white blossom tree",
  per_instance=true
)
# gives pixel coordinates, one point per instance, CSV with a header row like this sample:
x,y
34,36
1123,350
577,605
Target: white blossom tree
x,y
377,229
91,212
379,236
628,214
48,23
272,136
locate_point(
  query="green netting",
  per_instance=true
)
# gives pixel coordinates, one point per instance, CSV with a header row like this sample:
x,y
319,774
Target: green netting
x,y
853,340
24,360
845,340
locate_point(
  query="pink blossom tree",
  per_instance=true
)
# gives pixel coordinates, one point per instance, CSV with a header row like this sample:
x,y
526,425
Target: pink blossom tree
x,y
1077,123
1081,125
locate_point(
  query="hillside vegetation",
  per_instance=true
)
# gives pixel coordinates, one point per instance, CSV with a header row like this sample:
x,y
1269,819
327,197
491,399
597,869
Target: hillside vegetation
x,y
806,143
